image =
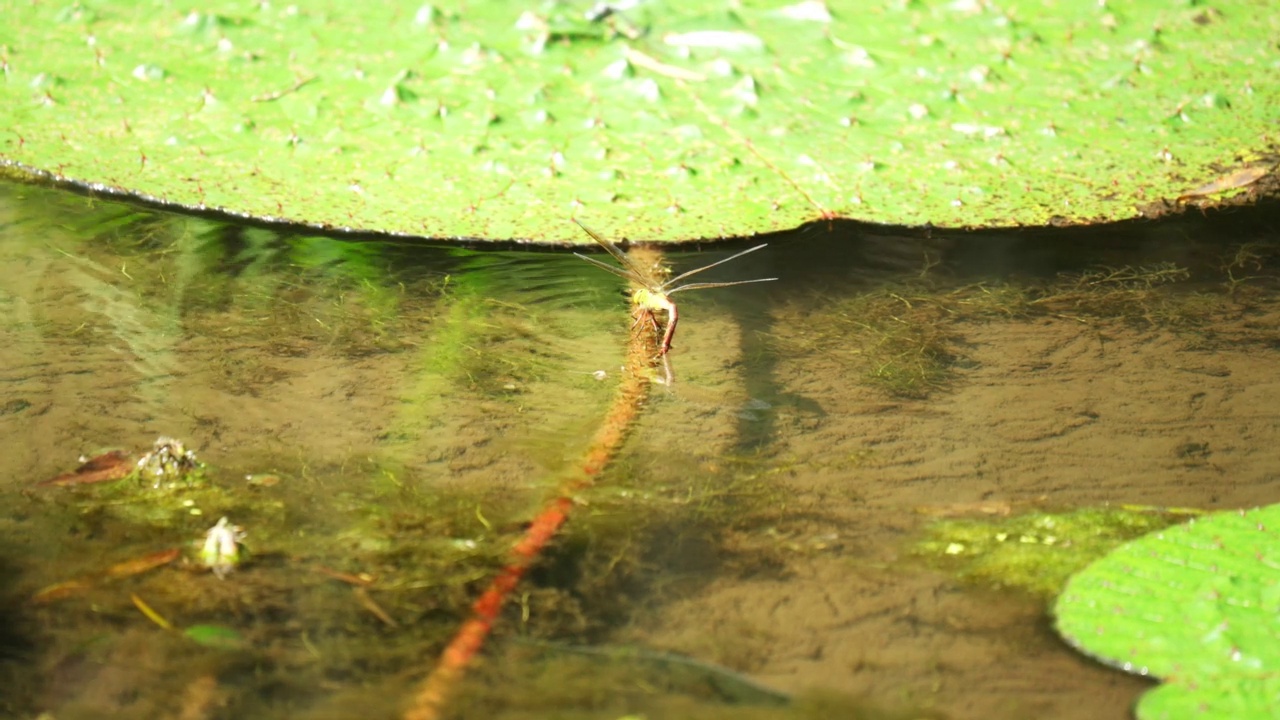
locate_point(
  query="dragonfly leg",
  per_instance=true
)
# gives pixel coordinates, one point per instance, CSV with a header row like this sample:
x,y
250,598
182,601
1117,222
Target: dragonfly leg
x,y
641,315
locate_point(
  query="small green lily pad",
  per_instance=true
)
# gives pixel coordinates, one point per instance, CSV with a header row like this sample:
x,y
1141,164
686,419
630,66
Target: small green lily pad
x,y
1197,605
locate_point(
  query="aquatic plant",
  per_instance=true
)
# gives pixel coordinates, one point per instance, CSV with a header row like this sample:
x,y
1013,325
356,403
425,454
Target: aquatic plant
x,y
437,689
670,120
1036,551
907,337
1196,605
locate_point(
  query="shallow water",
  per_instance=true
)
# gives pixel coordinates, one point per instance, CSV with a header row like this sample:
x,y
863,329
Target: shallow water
x,y
397,412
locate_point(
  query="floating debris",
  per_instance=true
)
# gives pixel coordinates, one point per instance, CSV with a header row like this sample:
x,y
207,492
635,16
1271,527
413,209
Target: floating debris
x,y
106,467
127,568
168,462
142,564
1234,180
222,552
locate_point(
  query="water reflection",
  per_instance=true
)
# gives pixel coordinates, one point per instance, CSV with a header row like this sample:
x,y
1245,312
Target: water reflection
x,y
382,419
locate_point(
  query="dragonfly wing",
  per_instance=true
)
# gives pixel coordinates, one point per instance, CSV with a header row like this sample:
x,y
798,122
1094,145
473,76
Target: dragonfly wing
x,y
617,254
695,271
620,272
701,286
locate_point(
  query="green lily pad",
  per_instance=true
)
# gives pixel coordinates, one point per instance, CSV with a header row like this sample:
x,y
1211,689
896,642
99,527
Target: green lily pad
x,y
661,120
1197,605
1239,698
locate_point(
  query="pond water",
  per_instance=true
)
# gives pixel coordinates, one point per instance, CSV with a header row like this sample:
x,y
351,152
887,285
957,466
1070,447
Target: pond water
x,y
782,535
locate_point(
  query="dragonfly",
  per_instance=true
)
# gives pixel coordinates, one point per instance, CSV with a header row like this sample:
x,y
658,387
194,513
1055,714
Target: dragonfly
x,y
652,296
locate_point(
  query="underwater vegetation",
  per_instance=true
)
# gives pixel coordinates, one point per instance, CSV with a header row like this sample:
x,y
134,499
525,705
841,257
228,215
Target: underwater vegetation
x,y
907,337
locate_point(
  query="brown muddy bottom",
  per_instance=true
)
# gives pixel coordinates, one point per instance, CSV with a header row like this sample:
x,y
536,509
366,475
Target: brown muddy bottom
x,y
382,420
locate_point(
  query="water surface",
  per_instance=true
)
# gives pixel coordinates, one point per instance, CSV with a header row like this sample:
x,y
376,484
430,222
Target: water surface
x,y
382,419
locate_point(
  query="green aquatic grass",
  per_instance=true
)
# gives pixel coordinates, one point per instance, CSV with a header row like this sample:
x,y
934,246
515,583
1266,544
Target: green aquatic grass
x,y
907,338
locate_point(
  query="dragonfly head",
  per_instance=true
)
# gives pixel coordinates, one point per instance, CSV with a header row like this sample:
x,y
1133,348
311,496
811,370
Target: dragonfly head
x,y
650,300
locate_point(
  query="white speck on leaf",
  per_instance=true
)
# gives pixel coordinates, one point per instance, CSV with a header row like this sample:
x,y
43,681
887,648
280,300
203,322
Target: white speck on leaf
x,y
719,39
811,10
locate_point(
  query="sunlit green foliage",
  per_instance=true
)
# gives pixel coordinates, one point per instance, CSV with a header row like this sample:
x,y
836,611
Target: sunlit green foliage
x,y
663,120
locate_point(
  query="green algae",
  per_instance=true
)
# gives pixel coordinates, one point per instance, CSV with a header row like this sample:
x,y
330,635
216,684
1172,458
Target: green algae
x,y
1035,552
